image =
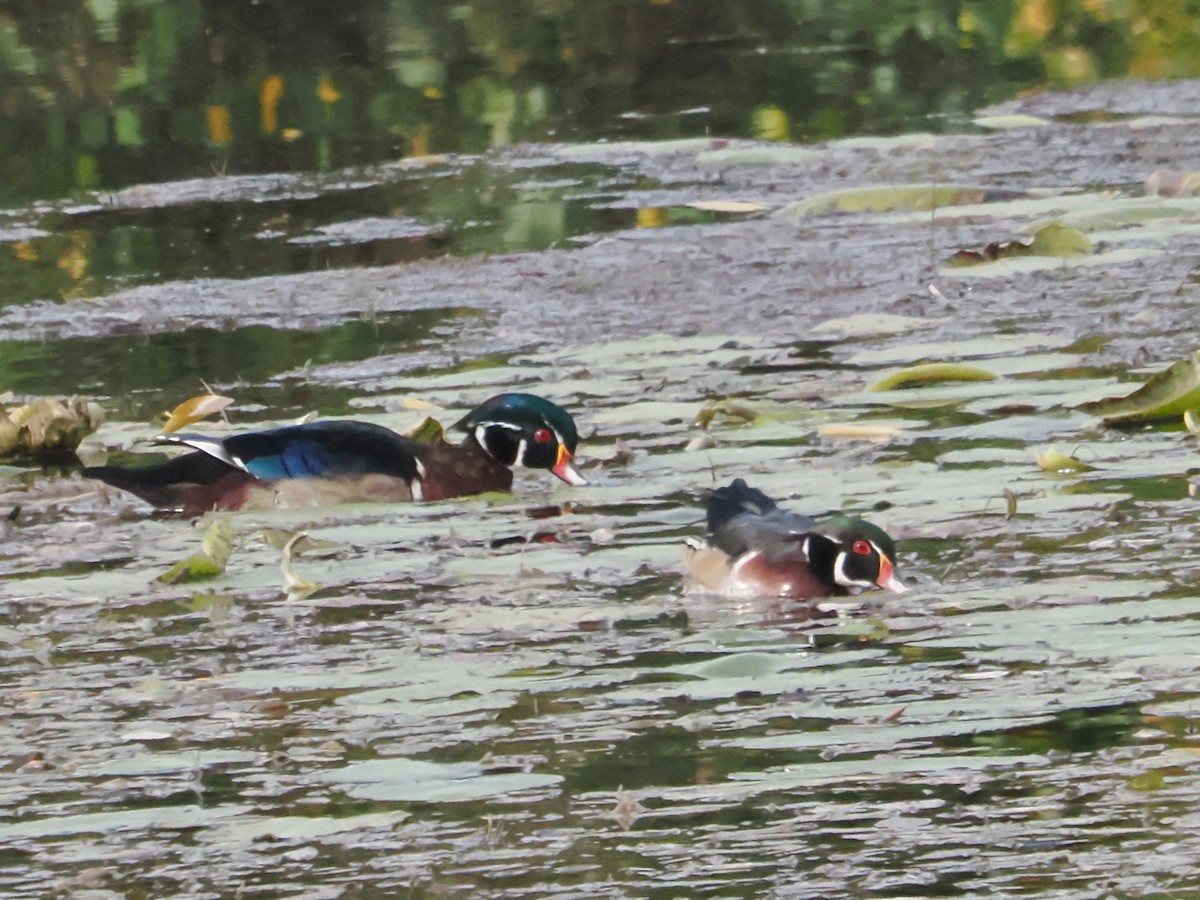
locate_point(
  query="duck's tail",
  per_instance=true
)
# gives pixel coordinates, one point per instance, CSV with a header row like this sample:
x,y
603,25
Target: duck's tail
x,y
733,500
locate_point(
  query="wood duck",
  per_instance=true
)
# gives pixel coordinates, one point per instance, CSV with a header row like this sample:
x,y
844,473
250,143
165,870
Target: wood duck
x,y
756,549
333,461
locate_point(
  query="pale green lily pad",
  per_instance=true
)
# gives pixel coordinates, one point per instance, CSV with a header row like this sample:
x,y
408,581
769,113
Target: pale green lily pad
x,y
1166,395
887,198
688,146
1005,123
928,373
173,818
1006,268
863,324
248,829
416,781
761,155
1060,240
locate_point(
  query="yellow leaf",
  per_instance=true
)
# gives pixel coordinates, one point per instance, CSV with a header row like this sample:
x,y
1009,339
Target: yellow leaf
x,y
194,410
929,373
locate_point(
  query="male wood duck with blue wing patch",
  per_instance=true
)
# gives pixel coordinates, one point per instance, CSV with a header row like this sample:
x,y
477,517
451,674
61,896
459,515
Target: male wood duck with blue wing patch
x,y
756,549
319,463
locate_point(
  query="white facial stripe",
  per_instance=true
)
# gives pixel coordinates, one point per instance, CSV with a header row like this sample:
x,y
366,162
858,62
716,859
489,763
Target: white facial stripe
x,y
840,575
839,571
521,448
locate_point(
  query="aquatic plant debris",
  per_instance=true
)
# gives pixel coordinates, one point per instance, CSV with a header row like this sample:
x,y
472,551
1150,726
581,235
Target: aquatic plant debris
x,y
47,428
1055,239
209,562
1168,394
296,587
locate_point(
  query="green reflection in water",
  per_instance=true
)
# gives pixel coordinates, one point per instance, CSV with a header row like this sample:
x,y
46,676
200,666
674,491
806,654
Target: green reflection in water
x,y
450,209
143,374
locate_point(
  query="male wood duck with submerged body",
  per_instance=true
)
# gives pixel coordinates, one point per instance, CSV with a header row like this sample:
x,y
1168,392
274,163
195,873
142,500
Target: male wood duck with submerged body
x,y
320,463
756,549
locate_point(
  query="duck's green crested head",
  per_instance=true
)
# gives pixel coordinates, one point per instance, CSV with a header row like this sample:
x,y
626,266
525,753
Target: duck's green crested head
x,y
526,429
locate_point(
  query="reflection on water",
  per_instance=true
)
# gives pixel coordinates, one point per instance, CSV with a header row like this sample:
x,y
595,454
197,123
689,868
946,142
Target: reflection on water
x,y
102,95
228,228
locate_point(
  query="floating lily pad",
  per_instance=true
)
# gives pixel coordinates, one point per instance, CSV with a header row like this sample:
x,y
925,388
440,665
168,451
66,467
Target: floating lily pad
x,y
888,198
1166,395
47,429
861,324
1055,239
930,373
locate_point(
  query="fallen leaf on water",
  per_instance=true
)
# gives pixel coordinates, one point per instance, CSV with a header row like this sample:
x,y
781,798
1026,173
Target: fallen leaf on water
x,y
1170,393
193,410
209,562
1054,460
927,373
627,810
1191,420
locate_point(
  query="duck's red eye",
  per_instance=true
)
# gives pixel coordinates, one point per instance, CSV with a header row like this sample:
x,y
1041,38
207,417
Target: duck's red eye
x,y
543,436
862,548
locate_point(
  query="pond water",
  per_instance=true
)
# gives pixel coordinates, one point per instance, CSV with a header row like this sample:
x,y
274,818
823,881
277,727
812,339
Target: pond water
x,y
512,696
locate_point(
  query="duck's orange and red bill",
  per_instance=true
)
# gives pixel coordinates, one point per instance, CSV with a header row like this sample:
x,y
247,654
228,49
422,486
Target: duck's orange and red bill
x,y
887,577
564,468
